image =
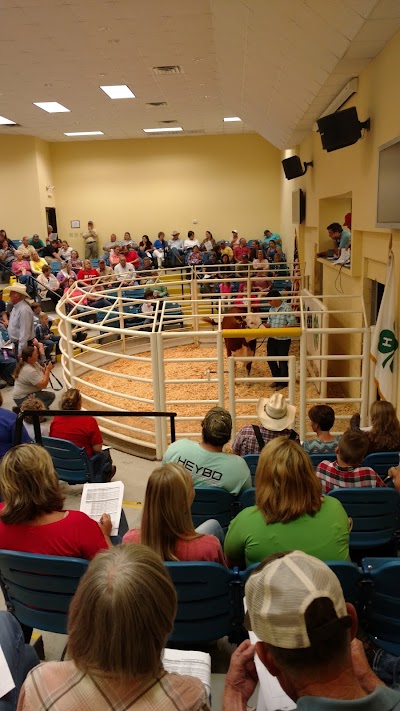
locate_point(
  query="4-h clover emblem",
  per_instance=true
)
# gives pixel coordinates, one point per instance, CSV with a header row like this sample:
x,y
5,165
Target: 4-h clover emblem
x,y
388,343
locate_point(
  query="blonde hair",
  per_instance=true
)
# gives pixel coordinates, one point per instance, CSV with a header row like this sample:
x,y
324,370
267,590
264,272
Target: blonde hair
x,y
286,484
166,511
122,613
28,484
385,430
71,399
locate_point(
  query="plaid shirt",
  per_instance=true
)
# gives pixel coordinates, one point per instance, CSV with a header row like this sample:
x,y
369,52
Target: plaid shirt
x,y
277,319
60,686
245,441
332,476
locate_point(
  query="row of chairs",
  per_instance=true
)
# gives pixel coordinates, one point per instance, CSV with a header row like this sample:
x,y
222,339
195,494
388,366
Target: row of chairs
x,y
375,514
38,590
380,462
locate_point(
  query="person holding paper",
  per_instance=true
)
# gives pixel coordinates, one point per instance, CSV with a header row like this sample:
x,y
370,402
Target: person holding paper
x,y
82,431
167,525
306,639
32,517
118,625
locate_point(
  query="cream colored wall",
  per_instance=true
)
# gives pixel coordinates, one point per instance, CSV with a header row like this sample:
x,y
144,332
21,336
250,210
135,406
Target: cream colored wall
x,y
20,206
143,186
354,170
44,169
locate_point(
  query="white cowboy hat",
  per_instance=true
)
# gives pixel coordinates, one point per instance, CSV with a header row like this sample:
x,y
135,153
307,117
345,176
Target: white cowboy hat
x,y
19,289
274,413
175,233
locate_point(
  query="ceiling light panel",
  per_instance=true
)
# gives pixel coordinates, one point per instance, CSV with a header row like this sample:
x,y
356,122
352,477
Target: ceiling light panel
x,y
227,119
6,122
118,91
85,133
52,107
176,129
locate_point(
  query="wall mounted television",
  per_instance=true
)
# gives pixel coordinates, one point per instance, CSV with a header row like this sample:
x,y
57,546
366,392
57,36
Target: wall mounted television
x,y
388,188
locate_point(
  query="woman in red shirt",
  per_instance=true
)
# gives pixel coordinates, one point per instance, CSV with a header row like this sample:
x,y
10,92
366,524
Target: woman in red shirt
x,y
88,273
167,525
82,431
32,517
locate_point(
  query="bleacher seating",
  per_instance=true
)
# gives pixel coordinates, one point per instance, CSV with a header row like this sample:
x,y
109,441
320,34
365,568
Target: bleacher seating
x,y
38,589
381,462
72,463
252,461
247,498
318,458
375,513
382,609
213,502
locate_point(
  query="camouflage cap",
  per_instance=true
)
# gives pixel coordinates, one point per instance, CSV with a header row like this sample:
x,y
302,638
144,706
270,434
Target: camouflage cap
x,y
217,424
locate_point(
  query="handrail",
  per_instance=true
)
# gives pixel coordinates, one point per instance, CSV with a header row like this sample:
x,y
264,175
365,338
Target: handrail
x,y
38,285
36,414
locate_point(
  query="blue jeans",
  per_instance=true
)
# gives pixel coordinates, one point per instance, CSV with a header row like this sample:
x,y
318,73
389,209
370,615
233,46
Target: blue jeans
x,y
177,257
21,657
212,528
49,344
387,667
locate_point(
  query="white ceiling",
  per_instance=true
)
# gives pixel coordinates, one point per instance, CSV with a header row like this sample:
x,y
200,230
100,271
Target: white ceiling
x,y
275,63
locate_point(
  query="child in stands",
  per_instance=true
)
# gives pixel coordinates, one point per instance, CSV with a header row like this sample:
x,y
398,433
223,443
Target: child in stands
x,y
347,470
322,420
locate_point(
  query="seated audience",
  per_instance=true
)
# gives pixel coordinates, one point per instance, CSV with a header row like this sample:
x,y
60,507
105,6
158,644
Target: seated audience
x,y
65,251
167,525
33,403
276,418
45,335
75,262
21,268
160,249
347,470
132,257
127,241
26,249
51,253
87,273
271,236
259,262
208,244
32,378
49,286
256,246
104,271
307,632
32,517
19,656
224,248
6,256
146,247
322,419
205,460
195,258
37,244
240,250
384,435
190,242
7,430
114,256
8,361
110,245
289,512
271,251
124,271
234,239
82,431
176,249
37,263
119,622
64,274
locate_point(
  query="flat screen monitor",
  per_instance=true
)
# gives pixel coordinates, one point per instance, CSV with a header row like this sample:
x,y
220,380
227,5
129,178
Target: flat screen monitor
x,y
388,197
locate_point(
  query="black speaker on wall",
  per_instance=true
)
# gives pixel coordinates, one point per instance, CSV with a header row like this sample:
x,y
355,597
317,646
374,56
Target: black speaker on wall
x,y
341,129
293,167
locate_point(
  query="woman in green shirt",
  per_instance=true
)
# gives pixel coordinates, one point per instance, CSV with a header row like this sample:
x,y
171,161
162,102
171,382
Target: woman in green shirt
x,y
290,511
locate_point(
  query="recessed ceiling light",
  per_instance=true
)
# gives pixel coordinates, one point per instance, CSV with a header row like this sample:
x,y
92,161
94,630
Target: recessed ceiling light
x,y
232,118
119,91
163,130
85,133
5,121
52,107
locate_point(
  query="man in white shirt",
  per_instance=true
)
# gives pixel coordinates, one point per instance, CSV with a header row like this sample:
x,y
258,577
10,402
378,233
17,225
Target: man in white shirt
x,y
20,324
125,271
176,246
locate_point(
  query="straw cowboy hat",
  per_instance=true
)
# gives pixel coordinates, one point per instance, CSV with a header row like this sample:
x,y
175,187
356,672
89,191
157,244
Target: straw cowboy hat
x,y
274,413
19,289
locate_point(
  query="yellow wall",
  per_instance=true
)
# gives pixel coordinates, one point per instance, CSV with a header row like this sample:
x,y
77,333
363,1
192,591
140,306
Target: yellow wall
x,y
354,170
143,186
19,194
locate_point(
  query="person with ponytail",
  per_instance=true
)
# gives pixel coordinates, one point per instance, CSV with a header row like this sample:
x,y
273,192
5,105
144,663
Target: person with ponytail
x,y
32,378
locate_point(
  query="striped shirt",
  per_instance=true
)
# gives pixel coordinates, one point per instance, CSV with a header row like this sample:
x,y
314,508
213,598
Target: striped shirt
x,y
317,446
60,686
246,442
277,319
332,476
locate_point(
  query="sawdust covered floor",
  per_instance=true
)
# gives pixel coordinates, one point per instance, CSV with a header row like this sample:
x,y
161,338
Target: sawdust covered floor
x,y
190,391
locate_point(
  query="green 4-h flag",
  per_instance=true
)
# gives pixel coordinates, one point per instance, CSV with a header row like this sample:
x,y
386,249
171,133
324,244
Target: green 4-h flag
x,y
385,342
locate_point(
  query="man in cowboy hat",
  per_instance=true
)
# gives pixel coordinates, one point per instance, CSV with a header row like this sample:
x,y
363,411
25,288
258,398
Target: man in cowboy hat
x,y
20,325
276,418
